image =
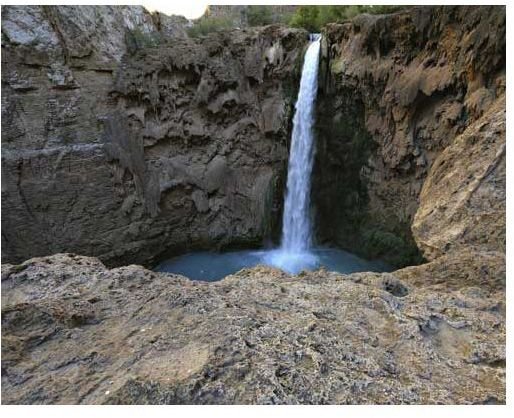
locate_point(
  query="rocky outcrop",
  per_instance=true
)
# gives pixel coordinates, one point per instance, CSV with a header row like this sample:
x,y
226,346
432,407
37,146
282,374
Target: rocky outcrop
x,y
124,139
420,143
462,203
422,335
396,91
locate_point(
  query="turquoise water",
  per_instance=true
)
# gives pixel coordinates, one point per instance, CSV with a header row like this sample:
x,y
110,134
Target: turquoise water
x,y
212,266
295,252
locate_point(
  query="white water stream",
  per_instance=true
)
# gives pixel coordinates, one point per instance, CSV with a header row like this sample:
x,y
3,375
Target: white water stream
x,y
295,252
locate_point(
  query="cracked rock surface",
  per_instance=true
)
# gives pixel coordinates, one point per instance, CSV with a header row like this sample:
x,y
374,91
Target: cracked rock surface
x,y
74,331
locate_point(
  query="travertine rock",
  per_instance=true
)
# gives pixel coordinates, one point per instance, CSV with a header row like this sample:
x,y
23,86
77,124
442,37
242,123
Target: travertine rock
x,y
462,203
396,91
122,138
76,332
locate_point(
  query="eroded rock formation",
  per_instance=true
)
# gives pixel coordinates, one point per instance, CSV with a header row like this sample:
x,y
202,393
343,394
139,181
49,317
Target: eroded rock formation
x,y
74,331
426,334
398,90
122,138
462,203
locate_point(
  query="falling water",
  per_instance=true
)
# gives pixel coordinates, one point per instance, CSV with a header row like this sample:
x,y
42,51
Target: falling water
x,y
294,253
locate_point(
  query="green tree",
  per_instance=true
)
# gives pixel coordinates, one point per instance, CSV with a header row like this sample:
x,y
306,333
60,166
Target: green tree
x,y
306,17
207,24
313,18
259,15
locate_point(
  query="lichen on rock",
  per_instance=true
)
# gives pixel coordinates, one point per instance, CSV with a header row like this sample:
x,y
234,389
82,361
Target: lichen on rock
x,y
422,335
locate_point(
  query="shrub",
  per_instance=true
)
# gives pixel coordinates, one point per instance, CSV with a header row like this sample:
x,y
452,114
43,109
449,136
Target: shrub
x,y
259,15
207,24
384,9
313,18
306,17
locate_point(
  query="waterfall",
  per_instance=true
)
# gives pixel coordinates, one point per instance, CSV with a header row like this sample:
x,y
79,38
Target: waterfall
x,y
294,253
296,229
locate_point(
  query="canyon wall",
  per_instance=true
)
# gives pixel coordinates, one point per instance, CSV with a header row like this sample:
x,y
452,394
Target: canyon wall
x,y
411,146
395,91
125,139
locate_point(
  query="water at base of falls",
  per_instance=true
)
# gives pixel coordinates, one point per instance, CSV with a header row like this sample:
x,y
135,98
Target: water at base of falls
x,y
295,252
211,266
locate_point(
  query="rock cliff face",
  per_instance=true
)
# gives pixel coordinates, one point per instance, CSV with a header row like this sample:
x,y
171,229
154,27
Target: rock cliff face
x,y
462,203
396,91
431,333
122,138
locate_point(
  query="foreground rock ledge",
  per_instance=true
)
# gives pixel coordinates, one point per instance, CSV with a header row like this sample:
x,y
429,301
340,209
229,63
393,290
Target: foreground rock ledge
x,y
74,331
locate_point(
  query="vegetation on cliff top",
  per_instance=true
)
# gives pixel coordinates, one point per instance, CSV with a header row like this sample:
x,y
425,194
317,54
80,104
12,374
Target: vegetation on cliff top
x,y
206,25
311,18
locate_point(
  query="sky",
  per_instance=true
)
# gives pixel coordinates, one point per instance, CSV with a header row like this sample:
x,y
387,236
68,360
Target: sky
x,y
187,8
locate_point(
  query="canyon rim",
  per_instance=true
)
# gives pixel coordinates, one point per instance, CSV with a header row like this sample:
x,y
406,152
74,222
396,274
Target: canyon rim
x,y
131,137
